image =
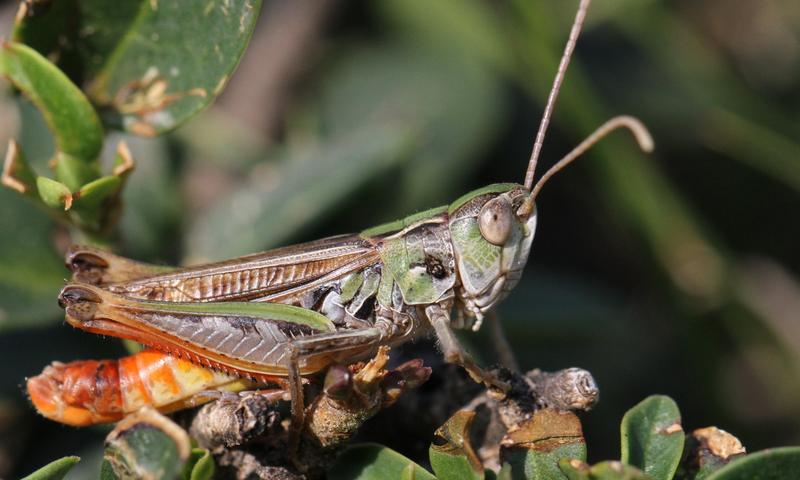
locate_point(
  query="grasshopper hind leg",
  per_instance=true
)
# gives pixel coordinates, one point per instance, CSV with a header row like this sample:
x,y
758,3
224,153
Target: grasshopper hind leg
x,y
346,344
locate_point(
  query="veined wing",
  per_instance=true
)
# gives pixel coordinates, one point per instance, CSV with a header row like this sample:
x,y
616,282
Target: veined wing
x,y
255,276
244,338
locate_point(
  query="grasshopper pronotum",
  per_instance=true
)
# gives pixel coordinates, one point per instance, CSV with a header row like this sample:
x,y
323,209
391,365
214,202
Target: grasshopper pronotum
x,y
294,311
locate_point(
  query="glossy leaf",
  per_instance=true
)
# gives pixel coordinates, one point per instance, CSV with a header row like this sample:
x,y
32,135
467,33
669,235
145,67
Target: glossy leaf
x,y
370,461
147,444
54,194
173,60
55,470
771,464
68,113
614,470
94,193
610,470
652,437
200,465
574,469
535,449
451,454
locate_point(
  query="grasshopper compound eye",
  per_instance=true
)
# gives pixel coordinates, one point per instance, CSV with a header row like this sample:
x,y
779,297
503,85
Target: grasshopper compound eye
x,y
495,220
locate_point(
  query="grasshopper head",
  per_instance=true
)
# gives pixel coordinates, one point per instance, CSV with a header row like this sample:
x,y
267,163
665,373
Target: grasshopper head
x,y
491,237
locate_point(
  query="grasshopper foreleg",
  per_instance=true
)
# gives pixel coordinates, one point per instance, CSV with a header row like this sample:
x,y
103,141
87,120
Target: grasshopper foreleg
x,y
453,352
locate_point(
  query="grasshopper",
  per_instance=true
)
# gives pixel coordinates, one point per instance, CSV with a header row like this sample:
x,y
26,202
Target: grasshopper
x,y
284,314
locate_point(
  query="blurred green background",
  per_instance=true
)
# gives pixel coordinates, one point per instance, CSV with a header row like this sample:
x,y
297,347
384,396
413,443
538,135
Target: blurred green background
x,y
675,273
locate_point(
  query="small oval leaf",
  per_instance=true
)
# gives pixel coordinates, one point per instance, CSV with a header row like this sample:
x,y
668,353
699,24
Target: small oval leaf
x,y
652,437
174,60
91,195
200,465
55,470
614,470
574,469
54,194
771,464
452,456
147,444
370,461
535,449
71,118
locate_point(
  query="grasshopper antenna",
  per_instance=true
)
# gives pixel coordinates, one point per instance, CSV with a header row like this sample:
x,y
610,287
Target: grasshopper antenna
x,y
551,99
636,127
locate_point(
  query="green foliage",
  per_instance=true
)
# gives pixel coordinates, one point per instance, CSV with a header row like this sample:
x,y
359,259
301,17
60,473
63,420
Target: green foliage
x,y
148,445
134,57
772,464
55,470
551,446
652,437
200,465
375,462
451,453
139,73
70,116
154,80
608,470
537,447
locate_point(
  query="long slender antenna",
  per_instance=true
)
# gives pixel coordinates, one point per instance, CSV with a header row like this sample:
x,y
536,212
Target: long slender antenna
x,y
551,100
636,127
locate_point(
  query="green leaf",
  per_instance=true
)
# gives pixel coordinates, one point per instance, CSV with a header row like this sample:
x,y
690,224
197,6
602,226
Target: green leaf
x,y
173,60
408,473
370,461
614,470
652,437
535,449
55,470
93,194
200,465
68,113
771,464
574,469
54,194
451,454
147,444
153,64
